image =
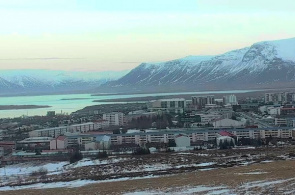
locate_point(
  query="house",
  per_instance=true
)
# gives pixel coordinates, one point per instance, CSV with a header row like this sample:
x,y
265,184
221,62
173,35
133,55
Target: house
x,y
182,140
8,146
59,143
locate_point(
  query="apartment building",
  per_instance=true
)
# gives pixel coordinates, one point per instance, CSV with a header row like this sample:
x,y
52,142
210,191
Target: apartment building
x,y
114,118
201,101
230,100
174,105
279,97
62,130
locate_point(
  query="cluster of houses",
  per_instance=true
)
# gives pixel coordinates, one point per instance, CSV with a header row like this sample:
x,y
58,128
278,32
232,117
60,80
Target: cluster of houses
x,y
204,118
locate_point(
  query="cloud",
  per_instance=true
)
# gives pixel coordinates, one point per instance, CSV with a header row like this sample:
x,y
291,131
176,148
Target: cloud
x,y
49,58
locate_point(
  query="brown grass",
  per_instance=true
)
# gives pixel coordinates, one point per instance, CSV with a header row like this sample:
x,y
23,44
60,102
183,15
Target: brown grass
x,y
228,176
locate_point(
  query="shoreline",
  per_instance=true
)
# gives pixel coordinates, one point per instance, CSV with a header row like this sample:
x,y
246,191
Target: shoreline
x,y
185,96
21,107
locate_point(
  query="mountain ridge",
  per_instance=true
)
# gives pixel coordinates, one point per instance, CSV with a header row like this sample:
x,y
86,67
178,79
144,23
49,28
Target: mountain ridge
x,y
264,64
41,81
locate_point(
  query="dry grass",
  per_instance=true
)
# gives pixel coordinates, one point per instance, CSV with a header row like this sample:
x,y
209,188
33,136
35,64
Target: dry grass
x,y
229,176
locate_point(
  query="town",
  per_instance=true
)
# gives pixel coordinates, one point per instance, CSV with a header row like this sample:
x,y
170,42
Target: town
x,y
176,124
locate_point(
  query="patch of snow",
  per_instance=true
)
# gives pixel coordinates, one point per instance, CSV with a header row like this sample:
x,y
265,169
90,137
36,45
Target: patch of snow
x,y
206,164
267,161
28,168
252,173
70,184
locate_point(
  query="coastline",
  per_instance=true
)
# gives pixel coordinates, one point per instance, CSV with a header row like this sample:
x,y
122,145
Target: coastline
x,y
21,107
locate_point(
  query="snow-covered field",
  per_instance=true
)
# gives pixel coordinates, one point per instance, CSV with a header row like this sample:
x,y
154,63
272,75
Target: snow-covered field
x,y
52,168
69,184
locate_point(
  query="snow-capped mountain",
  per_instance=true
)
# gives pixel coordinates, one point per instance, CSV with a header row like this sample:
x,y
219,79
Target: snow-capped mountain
x,y
264,64
52,81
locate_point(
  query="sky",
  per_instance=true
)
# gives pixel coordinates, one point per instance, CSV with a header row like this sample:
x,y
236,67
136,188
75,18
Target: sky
x,y
101,35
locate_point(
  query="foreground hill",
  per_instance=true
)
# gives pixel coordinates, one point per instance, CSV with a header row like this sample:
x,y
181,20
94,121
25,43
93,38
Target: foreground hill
x,y
262,65
245,171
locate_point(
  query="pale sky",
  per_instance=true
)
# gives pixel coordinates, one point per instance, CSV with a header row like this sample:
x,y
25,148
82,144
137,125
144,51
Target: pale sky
x,y
120,34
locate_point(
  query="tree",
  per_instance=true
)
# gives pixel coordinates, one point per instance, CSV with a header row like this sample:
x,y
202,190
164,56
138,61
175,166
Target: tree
x,y
38,151
221,145
141,151
76,157
116,131
101,155
171,143
232,144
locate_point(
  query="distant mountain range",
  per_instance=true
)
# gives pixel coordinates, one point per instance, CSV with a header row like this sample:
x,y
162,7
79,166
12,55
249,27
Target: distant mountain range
x,y
262,65
24,82
268,64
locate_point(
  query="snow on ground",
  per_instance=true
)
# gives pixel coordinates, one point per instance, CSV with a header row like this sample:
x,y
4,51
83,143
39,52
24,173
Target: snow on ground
x,y
88,162
205,164
263,183
28,168
186,190
252,173
267,161
52,168
69,184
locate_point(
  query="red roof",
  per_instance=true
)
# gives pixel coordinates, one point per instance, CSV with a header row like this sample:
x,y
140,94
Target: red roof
x,y
61,138
6,143
225,133
99,132
287,108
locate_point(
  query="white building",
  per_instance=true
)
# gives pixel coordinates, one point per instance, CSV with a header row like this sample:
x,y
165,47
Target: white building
x,y
50,132
57,131
101,124
82,128
227,123
280,121
100,143
230,99
59,143
114,118
182,140
274,110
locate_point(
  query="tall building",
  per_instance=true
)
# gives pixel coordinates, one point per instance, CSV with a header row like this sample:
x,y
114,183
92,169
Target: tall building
x,y
201,101
230,99
174,105
114,118
282,97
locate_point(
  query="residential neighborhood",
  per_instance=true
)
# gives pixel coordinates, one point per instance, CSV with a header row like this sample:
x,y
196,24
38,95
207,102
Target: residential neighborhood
x,y
175,123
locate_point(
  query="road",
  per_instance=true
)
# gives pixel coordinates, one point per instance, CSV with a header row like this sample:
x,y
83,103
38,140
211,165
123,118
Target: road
x,y
259,122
